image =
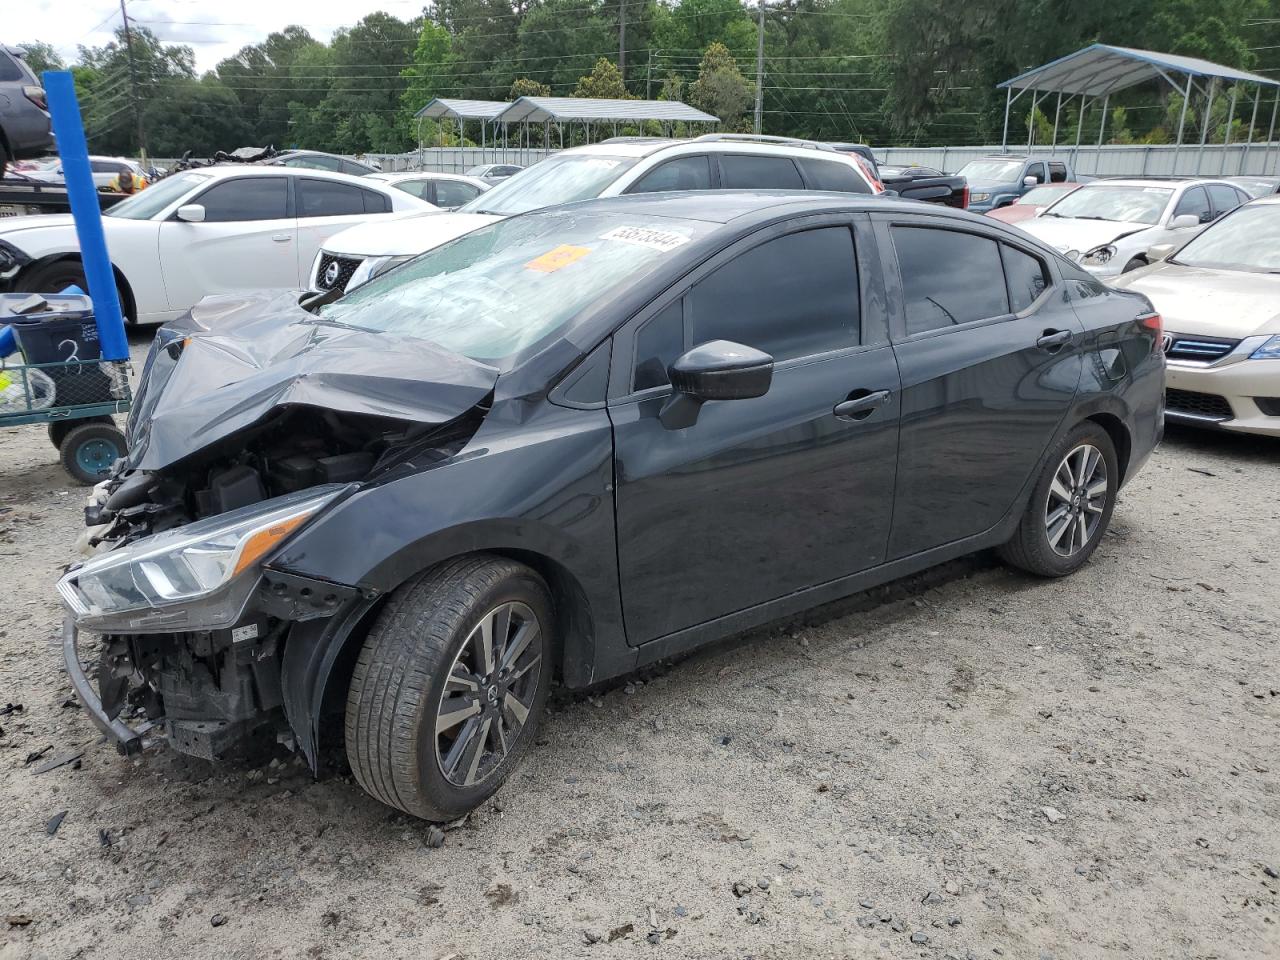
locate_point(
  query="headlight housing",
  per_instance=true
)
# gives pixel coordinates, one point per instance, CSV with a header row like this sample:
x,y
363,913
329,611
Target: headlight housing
x,y
1268,351
196,577
979,197
372,267
1100,255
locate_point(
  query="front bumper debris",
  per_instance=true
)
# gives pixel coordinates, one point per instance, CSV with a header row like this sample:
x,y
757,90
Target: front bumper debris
x,y
128,740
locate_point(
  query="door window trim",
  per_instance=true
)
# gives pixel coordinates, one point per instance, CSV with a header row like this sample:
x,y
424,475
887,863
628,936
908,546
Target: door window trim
x,y
712,179
624,336
898,317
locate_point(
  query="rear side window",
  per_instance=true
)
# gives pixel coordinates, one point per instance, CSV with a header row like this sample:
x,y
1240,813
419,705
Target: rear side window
x,y
454,193
376,202
1025,277
415,188
940,271
245,198
1224,198
793,296
829,175
9,69
739,172
682,173
327,198
1057,172
1195,202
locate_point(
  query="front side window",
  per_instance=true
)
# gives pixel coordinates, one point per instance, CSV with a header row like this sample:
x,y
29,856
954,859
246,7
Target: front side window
x,y
793,296
513,284
682,173
1194,202
658,343
741,172
939,270
145,205
245,198
1036,170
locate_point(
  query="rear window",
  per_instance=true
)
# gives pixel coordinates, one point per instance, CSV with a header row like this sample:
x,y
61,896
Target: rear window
x,y
10,70
829,175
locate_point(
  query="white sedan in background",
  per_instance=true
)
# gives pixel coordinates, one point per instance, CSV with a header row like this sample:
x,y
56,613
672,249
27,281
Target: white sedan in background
x,y
448,191
1219,296
1110,226
213,230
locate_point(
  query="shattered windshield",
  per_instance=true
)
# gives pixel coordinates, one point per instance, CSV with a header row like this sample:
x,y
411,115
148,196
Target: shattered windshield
x,y
497,291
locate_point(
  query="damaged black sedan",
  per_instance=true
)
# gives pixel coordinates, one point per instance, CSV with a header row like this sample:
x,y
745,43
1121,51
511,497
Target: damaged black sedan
x,y
573,443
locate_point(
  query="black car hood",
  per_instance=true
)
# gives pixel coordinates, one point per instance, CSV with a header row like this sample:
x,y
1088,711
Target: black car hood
x,y
231,361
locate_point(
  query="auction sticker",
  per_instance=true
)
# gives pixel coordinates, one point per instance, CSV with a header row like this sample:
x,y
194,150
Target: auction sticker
x,y
663,240
557,259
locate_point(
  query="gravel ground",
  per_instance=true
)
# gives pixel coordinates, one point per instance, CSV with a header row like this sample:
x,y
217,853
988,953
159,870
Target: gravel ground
x,y
970,764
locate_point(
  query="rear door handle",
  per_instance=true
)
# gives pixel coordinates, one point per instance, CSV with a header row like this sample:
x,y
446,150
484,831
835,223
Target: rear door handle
x,y
281,238
859,408
1054,340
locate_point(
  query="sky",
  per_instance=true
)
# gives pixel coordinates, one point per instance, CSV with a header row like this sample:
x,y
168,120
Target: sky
x,y
215,29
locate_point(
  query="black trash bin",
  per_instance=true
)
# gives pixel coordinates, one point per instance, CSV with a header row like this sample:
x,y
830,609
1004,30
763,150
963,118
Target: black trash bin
x,y
60,329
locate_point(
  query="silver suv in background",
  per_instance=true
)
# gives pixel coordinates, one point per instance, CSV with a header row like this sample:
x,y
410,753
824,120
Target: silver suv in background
x,y
25,131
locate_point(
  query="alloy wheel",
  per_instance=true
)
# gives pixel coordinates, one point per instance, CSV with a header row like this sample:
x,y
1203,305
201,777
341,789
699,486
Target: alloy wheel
x,y
489,693
1077,499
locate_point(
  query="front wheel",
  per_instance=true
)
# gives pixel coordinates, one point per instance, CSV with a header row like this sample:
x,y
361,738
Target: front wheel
x,y
448,689
1070,506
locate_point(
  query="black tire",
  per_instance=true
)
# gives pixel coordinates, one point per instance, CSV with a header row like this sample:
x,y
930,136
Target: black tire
x,y
52,277
423,642
58,429
1031,547
89,449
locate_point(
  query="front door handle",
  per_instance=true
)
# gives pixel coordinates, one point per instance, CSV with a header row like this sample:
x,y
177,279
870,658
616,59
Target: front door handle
x,y
859,408
281,238
1054,340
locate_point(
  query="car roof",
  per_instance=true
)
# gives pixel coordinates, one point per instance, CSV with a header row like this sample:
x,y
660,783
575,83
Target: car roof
x,y
1173,182
418,175
728,206
640,147
225,170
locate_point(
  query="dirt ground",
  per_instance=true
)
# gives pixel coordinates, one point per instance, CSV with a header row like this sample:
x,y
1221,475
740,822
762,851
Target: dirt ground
x,y
971,765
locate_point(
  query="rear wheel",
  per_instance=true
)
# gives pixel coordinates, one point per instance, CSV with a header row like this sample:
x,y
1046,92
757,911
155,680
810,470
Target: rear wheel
x,y
1070,506
448,689
58,429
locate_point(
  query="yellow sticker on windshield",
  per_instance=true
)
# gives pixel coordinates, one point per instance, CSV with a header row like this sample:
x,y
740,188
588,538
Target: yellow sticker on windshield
x,y
557,259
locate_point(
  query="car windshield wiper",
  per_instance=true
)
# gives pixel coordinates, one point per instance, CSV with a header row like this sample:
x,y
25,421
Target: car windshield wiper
x,y
1082,217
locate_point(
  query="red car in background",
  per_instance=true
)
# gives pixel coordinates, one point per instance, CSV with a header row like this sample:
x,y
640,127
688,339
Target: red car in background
x,y
1033,202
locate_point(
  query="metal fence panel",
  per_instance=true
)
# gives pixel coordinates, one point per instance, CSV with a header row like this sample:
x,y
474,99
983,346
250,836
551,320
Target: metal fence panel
x,y
1116,159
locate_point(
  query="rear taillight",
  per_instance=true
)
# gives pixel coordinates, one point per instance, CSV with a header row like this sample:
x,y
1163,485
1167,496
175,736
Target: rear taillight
x,y
36,95
964,198
1155,323
869,172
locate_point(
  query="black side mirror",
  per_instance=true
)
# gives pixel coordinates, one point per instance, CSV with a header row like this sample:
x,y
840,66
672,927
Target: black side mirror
x,y
719,370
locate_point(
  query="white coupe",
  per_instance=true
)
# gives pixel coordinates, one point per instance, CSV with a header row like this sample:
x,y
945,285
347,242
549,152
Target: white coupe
x,y
212,230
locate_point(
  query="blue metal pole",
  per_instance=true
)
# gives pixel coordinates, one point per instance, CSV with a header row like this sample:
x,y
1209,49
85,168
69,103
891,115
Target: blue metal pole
x,y
83,196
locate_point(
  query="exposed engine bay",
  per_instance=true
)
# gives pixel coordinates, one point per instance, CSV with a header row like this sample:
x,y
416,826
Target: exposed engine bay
x,y
253,411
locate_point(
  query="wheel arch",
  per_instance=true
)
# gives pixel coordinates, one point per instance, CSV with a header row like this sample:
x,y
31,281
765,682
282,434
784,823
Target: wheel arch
x,y
128,303
1120,439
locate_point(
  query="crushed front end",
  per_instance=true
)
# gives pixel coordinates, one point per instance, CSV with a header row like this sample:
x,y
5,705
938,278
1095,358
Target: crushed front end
x,y
240,439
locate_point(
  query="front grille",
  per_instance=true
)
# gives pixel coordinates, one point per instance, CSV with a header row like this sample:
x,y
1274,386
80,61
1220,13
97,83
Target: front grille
x,y
346,267
1204,349
1268,405
1197,404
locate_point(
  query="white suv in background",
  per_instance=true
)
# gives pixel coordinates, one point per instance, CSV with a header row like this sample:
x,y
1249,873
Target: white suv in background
x,y
607,169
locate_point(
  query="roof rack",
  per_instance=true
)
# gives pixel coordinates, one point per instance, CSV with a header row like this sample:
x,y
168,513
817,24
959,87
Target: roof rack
x,y
764,138
635,140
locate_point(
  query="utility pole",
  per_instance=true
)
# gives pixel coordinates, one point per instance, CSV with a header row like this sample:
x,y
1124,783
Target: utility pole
x,y
648,79
622,40
759,124
133,84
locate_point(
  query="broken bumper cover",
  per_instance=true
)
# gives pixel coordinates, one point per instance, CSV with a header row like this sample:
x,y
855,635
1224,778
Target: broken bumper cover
x,y
128,740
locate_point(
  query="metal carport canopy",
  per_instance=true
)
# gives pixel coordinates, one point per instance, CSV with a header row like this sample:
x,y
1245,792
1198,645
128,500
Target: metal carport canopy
x,y
1101,69
462,109
586,109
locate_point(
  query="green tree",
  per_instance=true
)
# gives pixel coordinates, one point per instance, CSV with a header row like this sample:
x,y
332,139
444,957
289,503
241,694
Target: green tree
x,y
524,87
603,83
41,56
720,89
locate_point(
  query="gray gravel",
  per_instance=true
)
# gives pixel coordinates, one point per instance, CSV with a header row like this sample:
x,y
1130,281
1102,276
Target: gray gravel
x,y
892,759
